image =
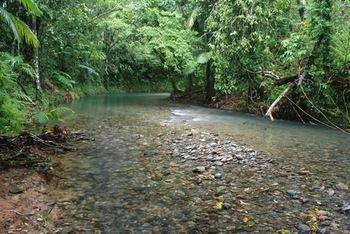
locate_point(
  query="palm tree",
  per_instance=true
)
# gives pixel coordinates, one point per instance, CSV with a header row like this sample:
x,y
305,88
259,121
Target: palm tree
x,y
20,29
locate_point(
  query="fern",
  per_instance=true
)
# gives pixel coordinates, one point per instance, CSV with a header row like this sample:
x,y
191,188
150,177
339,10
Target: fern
x,y
63,80
89,70
55,116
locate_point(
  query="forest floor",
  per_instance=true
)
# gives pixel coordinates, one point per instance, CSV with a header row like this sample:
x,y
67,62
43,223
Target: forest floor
x,y
25,203
27,176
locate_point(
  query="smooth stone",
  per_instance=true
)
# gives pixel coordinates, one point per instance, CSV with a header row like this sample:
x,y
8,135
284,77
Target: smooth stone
x,y
149,154
218,175
330,192
199,170
303,229
293,192
240,157
226,206
14,189
218,163
346,209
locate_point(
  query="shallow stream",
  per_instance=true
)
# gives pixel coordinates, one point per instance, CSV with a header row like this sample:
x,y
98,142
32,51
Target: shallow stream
x,y
137,175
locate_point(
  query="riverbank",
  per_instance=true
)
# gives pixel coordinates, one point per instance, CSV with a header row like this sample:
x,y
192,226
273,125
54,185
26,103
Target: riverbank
x,y
239,104
27,177
25,203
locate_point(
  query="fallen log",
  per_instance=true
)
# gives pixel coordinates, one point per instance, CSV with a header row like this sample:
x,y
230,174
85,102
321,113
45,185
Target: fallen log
x,y
286,80
274,104
289,87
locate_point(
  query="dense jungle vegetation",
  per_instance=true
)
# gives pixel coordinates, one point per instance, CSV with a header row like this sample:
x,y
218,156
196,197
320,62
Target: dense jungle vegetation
x,y
292,55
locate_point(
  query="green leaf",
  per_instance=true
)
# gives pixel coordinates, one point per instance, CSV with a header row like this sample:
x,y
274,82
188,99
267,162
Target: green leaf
x,y
41,118
31,6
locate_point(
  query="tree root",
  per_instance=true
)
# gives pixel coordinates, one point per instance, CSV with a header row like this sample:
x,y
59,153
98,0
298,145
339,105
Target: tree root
x,y
31,151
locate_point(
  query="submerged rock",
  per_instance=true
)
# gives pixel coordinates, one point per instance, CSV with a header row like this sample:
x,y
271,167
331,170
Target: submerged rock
x,y
330,192
149,154
218,163
346,209
303,229
240,157
293,192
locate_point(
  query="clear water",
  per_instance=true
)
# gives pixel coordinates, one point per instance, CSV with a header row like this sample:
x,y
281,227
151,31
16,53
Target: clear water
x,y
308,145
119,190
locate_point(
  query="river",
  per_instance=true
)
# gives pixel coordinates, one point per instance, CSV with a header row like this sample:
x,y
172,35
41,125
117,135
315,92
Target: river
x,y
138,175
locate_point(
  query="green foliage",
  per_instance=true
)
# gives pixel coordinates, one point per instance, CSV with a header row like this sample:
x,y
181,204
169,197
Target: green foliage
x,y
12,115
52,117
63,80
147,45
19,28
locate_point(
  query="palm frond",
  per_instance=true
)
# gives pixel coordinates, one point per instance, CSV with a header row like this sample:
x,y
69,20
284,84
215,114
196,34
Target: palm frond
x,y
31,6
26,33
6,16
19,29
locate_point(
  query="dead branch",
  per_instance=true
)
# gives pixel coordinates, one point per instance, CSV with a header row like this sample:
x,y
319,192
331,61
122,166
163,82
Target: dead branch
x,y
274,104
282,81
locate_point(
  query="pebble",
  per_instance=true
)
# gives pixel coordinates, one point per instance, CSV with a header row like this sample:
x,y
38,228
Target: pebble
x,y
239,157
218,175
293,192
199,170
303,229
330,192
346,209
218,163
14,189
149,154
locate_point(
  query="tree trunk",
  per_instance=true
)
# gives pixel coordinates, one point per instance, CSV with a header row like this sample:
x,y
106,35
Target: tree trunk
x,y
209,88
173,84
190,84
301,7
36,62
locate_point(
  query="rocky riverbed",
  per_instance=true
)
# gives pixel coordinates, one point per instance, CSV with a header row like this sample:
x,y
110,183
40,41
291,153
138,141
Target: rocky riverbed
x,y
181,179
